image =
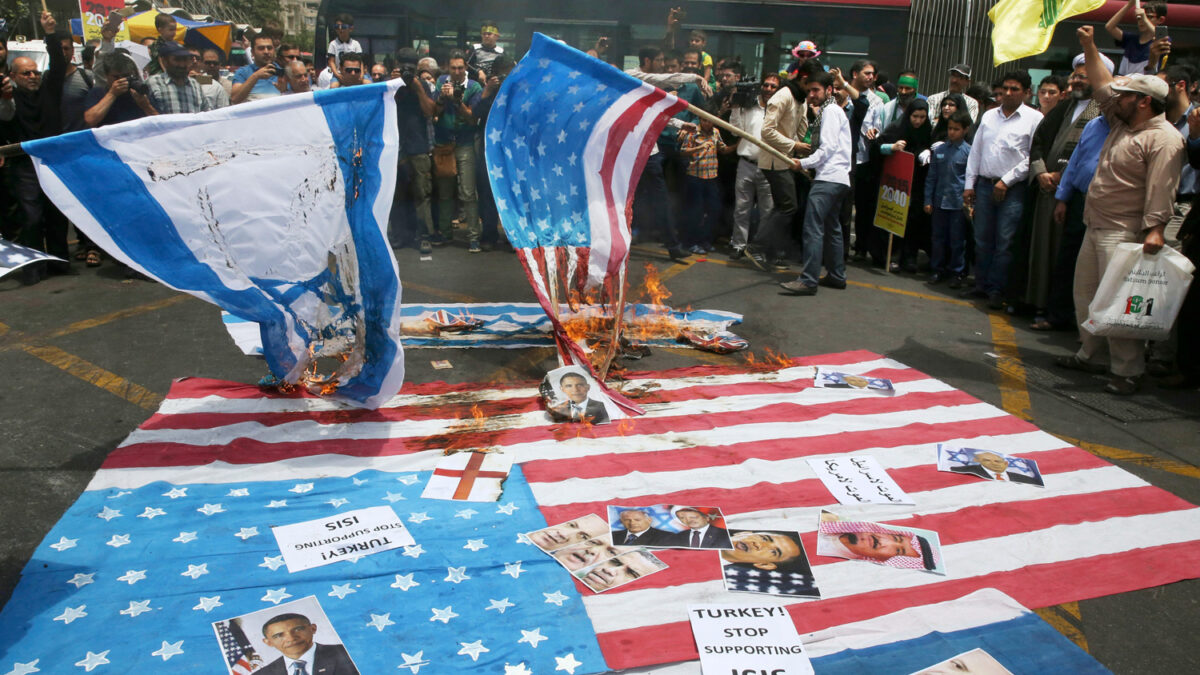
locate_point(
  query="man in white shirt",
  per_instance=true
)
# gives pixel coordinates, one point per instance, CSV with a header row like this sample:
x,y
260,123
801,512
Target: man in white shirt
x,y
750,180
830,158
995,184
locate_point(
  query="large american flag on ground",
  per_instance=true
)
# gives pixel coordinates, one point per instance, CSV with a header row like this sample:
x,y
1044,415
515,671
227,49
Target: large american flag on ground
x,y
732,437
565,145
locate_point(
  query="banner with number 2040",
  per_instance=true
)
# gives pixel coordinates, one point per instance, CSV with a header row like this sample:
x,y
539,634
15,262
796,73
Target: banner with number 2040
x,y
895,192
95,13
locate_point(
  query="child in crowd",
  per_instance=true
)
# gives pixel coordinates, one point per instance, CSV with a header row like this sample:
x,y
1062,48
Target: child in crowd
x,y
943,199
167,27
703,191
699,40
343,25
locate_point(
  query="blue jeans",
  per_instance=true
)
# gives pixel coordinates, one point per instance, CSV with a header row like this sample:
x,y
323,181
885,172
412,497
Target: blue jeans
x,y
823,232
703,208
949,242
996,224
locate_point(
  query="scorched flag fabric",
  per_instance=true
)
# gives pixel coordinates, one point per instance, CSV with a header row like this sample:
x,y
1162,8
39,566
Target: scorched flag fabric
x,y
274,210
238,460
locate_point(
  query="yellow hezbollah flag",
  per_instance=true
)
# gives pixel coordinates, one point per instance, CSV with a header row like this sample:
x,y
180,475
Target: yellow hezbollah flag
x,y
1023,28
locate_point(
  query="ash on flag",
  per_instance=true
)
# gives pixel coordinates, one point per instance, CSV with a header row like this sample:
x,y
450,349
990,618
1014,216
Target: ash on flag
x,y
309,261
565,143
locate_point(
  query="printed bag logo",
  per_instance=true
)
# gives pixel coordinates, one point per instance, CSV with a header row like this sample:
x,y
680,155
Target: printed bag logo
x,y
1134,304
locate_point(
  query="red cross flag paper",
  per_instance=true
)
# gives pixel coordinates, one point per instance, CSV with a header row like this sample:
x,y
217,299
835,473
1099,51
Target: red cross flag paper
x,y
469,477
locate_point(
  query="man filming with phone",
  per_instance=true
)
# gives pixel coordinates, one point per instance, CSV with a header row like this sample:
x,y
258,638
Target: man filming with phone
x,y
1149,19
259,79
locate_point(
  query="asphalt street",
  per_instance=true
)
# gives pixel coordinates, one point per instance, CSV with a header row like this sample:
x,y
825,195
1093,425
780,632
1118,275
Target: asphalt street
x,y
87,358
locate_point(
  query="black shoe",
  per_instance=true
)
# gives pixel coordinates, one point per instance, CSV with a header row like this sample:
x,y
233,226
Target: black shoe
x,y
956,282
737,253
757,259
797,287
973,293
1123,386
935,279
780,265
829,282
1073,362
995,301
677,254
909,268
438,239
31,274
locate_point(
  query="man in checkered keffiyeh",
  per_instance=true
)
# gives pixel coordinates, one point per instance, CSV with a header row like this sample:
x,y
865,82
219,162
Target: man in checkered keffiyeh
x,y
884,545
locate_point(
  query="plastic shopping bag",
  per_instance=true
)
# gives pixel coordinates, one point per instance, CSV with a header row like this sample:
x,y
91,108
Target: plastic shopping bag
x,y
1139,295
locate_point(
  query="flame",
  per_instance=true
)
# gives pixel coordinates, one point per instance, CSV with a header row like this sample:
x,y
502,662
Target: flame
x,y
773,360
625,426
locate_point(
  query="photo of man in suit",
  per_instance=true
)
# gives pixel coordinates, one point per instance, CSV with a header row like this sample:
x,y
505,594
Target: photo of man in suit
x,y
700,532
993,466
638,530
292,635
578,407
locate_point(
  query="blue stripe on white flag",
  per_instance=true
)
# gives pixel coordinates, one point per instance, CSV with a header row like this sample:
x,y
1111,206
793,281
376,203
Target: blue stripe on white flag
x,y
182,569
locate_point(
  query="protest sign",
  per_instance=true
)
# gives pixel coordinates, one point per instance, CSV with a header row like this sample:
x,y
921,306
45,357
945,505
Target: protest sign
x,y
858,480
895,191
747,639
352,534
94,14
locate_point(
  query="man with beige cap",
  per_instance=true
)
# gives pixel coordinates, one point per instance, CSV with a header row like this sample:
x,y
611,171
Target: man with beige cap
x,y
1130,199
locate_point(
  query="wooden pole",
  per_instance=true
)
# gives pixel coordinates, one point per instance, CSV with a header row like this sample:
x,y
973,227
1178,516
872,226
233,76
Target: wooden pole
x,y
740,132
11,150
887,261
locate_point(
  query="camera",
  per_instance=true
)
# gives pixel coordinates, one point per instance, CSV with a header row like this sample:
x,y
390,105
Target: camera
x,y
742,94
140,87
408,71
279,69
459,90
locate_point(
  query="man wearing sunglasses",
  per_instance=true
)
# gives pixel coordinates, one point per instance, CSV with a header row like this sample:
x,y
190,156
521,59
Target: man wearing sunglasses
x,y
351,71
206,70
37,103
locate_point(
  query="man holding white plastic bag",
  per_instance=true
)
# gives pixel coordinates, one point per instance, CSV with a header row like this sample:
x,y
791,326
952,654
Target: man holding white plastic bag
x,y
1130,199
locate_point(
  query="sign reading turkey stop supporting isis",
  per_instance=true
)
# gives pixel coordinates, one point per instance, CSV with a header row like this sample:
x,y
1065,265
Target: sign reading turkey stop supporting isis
x,y
747,640
342,536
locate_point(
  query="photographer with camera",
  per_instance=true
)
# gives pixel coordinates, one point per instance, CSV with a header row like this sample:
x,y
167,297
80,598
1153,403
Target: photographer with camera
x,y
454,151
259,79
750,184
415,110
123,98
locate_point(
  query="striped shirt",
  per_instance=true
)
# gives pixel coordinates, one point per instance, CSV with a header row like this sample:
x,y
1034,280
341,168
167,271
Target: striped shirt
x,y
168,97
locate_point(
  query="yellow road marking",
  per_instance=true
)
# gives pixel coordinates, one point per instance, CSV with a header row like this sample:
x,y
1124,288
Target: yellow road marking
x,y
1014,395
1059,617
911,294
119,314
1141,459
93,374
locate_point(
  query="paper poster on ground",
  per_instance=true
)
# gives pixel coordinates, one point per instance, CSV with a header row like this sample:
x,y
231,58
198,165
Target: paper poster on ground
x,y
342,536
623,569
469,477
768,561
858,480
260,641
988,465
572,395
900,547
832,379
747,639
669,526
976,662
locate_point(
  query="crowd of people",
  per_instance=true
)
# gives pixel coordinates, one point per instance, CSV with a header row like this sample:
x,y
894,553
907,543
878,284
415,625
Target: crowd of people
x,y
1018,197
